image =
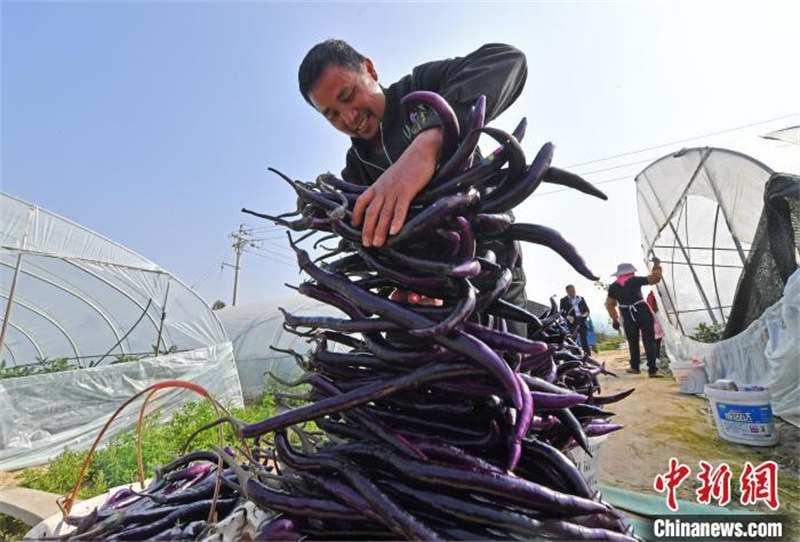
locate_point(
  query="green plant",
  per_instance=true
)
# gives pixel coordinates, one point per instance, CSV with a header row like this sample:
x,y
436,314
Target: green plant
x,y
116,464
609,341
708,334
42,366
12,528
124,358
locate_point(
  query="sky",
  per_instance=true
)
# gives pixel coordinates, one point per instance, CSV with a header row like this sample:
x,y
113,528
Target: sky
x,y
154,123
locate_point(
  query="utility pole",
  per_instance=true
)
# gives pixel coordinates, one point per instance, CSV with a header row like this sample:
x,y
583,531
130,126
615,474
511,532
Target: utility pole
x,y
241,238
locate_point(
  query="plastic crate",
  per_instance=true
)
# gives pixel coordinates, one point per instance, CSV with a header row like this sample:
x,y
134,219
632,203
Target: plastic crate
x,y
589,465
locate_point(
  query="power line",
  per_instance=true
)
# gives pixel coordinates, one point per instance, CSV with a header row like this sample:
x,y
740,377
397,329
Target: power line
x,y
208,270
275,247
683,140
275,237
617,167
273,227
649,160
273,252
626,177
272,259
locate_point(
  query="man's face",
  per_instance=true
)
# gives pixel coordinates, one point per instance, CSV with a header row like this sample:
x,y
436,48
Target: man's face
x,y
351,100
571,292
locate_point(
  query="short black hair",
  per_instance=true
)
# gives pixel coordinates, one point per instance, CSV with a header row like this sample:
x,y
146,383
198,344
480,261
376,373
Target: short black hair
x,y
569,286
319,57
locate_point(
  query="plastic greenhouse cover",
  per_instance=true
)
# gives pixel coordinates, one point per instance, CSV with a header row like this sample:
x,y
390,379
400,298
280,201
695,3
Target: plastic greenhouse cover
x,y
45,414
253,328
767,353
703,206
81,296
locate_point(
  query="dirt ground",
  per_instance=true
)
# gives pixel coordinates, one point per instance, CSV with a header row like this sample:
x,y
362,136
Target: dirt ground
x,y
661,423
8,478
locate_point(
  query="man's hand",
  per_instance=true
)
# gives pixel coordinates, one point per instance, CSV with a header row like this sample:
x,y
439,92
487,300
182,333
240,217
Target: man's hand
x,y
571,319
615,324
384,205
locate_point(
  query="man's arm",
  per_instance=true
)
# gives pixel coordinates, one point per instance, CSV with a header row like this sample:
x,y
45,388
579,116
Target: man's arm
x,y
495,70
384,205
655,275
611,307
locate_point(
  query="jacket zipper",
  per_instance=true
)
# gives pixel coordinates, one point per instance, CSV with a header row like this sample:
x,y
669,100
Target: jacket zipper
x,y
385,152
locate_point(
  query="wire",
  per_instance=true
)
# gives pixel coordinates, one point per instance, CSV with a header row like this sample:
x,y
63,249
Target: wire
x,y
273,259
275,237
269,228
684,140
208,270
263,251
624,178
617,167
616,179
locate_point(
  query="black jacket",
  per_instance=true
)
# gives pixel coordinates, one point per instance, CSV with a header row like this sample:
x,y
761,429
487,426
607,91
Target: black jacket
x,y
495,70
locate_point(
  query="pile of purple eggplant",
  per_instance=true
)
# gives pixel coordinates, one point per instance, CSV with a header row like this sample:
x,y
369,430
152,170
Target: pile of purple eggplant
x,y
431,421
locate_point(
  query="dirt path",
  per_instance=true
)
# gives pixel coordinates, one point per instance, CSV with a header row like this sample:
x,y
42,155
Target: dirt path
x,y
8,479
662,423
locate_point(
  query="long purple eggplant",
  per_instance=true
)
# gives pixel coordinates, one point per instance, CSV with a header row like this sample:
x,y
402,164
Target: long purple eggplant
x,y
565,178
450,128
463,155
399,521
460,342
433,215
511,195
501,486
542,235
461,311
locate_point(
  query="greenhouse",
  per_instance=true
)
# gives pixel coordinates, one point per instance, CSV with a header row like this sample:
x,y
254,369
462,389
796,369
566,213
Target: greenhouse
x,y
88,323
724,223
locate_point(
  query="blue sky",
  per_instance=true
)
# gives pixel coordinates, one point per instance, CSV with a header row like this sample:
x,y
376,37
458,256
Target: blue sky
x,y
153,123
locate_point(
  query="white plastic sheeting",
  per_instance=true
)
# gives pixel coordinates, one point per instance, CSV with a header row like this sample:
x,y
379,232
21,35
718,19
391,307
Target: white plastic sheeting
x,y
698,211
68,292
767,353
81,296
254,328
45,414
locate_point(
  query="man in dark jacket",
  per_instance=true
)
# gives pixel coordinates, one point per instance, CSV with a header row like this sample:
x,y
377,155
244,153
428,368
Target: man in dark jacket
x,y
397,155
574,308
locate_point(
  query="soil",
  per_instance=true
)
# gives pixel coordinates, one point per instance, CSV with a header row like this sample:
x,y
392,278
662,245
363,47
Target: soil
x,y
662,423
8,479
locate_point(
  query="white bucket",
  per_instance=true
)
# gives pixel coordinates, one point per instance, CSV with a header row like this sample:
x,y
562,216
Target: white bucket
x,y
690,376
744,417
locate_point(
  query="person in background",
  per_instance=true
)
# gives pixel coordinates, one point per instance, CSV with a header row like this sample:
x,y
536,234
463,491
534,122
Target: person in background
x,y
658,330
574,308
626,293
590,334
396,152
